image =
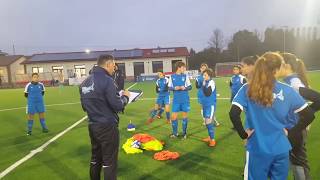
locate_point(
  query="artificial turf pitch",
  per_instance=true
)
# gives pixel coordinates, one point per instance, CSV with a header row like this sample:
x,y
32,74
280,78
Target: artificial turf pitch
x,y
69,156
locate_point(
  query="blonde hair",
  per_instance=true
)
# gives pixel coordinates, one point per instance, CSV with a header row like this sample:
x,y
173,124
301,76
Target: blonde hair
x,y
205,65
260,86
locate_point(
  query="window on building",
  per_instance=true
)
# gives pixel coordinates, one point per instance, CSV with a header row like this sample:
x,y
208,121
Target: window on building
x,y
37,69
138,68
155,51
57,69
171,50
80,70
1,72
157,66
163,50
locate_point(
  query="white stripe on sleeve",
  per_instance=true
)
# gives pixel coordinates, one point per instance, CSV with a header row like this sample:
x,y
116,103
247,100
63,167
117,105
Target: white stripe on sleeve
x,y
301,108
188,83
26,88
237,104
212,85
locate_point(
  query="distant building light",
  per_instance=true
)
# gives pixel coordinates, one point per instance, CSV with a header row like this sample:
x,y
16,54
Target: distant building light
x,y
87,51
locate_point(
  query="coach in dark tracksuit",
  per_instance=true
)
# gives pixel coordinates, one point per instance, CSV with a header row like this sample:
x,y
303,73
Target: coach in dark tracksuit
x,y
100,99
118,77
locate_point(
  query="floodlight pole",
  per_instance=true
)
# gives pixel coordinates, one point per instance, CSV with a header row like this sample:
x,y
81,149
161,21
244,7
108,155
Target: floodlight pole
x,y
284,38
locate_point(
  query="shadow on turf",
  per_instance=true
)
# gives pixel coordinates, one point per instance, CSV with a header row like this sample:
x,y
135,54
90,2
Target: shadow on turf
x,y
189,162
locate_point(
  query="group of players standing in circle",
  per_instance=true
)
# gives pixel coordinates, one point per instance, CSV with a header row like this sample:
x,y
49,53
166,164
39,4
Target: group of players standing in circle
x,y
277,113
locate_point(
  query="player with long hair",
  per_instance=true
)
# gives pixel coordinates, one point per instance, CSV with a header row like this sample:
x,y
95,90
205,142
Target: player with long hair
x,y
294,74
267,103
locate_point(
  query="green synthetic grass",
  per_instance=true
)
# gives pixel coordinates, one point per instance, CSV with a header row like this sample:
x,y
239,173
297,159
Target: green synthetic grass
x,y
69,156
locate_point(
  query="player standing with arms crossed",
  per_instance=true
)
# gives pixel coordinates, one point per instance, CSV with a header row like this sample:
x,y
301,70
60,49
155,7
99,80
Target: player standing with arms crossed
x,y
163,97
180,84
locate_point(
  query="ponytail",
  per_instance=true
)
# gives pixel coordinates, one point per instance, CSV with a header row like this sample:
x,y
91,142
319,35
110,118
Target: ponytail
x,y
301,72
297,66
260,87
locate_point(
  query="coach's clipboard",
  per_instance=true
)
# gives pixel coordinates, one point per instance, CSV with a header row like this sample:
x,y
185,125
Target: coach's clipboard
x,y
134,95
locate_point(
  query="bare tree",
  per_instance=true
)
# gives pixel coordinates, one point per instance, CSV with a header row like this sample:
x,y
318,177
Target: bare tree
x,y
216,41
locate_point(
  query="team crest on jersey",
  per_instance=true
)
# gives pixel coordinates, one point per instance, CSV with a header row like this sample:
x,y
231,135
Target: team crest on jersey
x,y
183,78
278,95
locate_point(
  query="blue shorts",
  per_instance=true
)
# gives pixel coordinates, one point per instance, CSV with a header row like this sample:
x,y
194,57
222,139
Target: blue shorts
x,y
208,111
33,108
163,100
260,166
181,107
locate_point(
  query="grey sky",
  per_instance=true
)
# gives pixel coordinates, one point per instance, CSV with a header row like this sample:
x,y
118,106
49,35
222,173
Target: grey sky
x,y
73,25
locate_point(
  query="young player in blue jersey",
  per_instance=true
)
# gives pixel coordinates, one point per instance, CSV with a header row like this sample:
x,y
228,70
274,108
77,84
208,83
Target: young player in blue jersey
x,y
198,83
294,75
180,84
208,102
294,72
236,81
267,104
163,97
34,92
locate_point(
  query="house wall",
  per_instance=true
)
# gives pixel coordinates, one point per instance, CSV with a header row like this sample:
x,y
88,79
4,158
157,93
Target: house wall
x,y
17,69
4,74
129,65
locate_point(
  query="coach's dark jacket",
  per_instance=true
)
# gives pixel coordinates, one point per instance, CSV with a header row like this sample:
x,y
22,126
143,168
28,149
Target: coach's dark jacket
x,y
100,99
119,79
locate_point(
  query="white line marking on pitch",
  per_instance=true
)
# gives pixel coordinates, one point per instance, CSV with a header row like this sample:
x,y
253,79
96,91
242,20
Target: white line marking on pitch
x,y
132,85
39,149
62,104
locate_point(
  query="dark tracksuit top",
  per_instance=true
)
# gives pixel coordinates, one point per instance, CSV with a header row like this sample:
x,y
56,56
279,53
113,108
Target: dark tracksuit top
x,y
100,98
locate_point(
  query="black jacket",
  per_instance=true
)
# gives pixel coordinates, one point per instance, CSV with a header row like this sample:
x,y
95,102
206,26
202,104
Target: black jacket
x,y
100,99
119,79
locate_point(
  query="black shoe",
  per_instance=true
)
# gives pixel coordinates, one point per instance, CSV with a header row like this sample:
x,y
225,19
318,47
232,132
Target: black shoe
x,y
29,133
45,130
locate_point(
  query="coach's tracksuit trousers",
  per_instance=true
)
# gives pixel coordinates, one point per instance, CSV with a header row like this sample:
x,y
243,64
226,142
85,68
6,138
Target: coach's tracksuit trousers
x,y
105,145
